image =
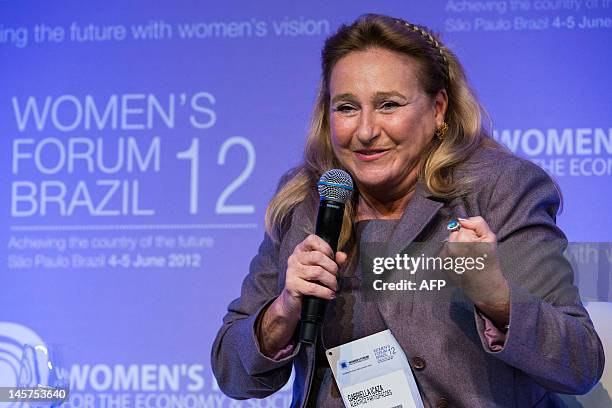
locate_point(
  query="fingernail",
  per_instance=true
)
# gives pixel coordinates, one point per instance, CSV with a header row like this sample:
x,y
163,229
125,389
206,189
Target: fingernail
x,y
462,219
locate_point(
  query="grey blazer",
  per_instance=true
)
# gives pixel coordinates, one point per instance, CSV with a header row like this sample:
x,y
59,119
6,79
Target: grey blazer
x,y
551,346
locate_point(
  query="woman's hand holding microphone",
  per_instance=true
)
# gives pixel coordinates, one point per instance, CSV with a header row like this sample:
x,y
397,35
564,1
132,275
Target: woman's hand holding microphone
x,y
311,271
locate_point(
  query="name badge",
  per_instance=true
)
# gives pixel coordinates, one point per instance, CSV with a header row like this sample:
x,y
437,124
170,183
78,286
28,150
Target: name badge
x,y
373,372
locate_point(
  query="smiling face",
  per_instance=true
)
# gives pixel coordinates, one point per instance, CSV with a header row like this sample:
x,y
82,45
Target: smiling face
x,y
381,120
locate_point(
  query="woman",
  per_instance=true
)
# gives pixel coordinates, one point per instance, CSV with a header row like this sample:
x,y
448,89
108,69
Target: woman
x,y
395,111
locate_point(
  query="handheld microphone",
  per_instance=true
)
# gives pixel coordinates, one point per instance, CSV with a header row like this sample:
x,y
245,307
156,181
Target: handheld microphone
x,y
335,189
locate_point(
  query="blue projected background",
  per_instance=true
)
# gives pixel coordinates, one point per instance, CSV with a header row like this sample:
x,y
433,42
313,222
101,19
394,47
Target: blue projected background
x,y
141,142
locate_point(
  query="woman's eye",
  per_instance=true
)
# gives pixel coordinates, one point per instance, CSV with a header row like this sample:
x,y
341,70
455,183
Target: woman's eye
x,y
345,108
389,105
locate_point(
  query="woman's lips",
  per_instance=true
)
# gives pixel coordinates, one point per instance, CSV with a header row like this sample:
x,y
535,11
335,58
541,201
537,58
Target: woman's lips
x,y
370,155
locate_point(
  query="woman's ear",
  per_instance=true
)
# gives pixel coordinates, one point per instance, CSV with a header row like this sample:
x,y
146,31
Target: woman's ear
x,y
440,105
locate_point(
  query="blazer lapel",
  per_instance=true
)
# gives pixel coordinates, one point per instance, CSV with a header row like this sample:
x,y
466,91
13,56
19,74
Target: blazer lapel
x,y
418,214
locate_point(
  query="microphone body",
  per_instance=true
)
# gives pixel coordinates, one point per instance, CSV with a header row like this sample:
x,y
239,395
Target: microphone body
x,y
335,188
328,226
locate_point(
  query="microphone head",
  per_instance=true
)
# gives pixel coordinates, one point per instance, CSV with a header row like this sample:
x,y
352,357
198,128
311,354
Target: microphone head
x,y
335,185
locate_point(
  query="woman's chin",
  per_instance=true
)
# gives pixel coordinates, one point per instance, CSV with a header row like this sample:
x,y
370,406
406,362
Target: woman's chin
x,y
373,183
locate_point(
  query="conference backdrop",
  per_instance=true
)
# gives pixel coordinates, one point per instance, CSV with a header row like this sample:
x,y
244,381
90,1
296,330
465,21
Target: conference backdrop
x,y
141,141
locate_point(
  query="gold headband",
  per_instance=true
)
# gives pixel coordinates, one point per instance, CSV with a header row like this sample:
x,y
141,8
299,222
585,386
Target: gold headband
x,y
431,40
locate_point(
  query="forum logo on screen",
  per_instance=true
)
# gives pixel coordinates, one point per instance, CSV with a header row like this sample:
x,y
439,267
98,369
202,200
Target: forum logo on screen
x,y
17,365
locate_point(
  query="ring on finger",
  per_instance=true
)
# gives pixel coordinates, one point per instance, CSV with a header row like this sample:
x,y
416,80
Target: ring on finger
x,y
453,226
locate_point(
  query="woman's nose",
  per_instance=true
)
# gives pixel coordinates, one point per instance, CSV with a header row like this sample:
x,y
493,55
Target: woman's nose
x,y
368,129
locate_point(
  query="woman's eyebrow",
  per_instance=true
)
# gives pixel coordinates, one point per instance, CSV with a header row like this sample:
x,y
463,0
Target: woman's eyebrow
x,y
377,96
348,96
387,94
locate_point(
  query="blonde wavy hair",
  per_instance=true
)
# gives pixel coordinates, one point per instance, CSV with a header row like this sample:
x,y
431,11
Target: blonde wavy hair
x,y
439,69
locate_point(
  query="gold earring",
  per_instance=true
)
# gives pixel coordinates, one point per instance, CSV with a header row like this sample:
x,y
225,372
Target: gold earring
x,y
441,131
